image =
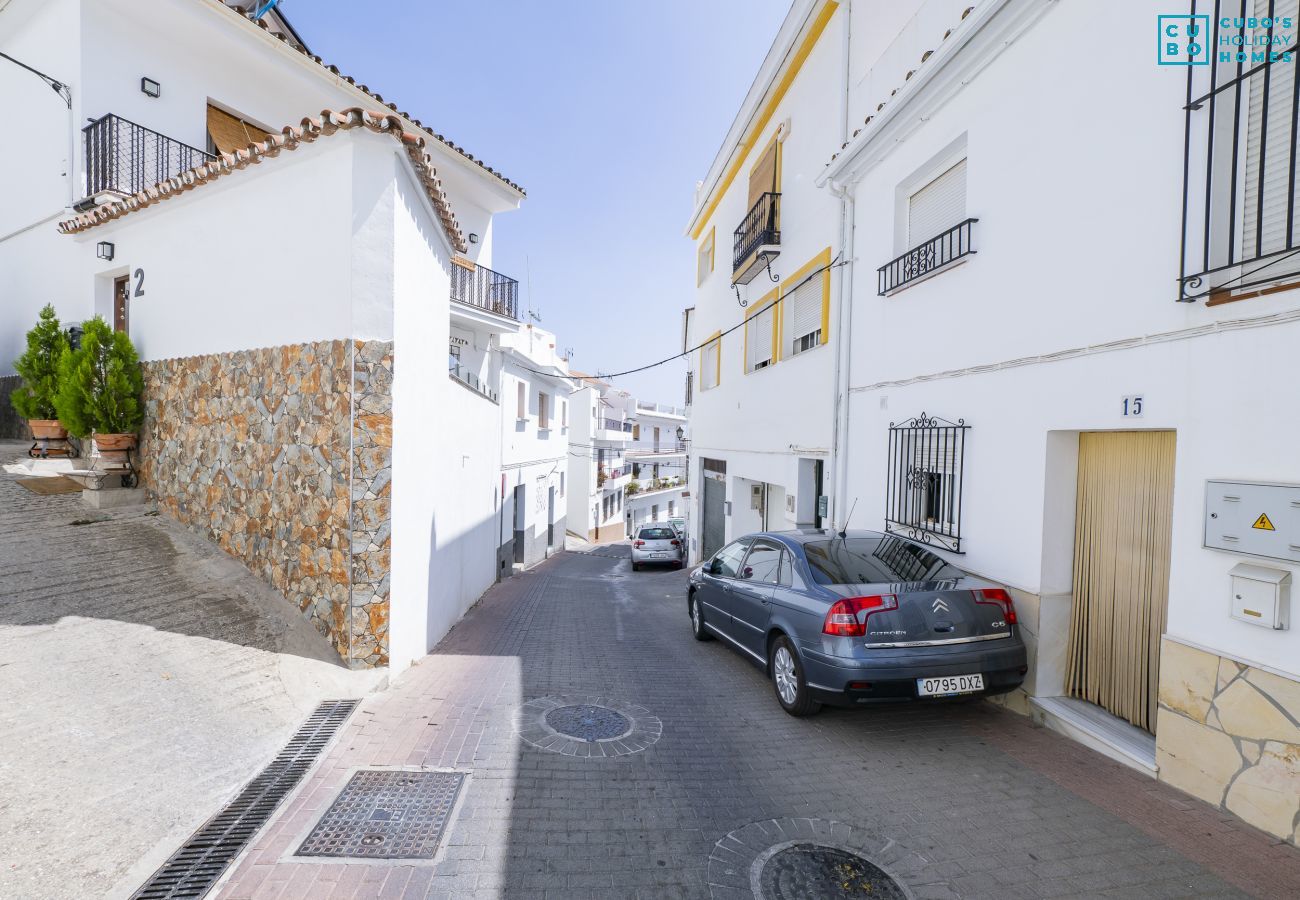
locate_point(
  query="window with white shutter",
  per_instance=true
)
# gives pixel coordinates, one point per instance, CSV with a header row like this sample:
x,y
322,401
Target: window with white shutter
x,y
938,206
711,364
803,316
759,337
1268,145
704,258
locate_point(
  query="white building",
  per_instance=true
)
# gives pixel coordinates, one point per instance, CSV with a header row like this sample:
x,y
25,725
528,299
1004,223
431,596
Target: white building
x,y
658,456
766,302
285,274
535,388
598,470
1069,315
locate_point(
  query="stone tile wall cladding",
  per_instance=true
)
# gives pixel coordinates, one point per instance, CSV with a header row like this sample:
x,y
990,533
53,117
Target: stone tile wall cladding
x,y
11,425
1229,734
282,457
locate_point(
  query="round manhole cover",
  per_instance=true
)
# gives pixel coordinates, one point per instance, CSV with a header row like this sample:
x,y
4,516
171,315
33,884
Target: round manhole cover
x,y
813,870
588,723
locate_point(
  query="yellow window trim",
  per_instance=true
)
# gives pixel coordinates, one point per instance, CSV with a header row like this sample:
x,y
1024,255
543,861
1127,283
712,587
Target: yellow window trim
x,y
717,374
713,252
764,302
778,94
821,260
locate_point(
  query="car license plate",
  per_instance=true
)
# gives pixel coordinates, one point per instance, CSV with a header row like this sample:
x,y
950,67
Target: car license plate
x,y
658,555
949,684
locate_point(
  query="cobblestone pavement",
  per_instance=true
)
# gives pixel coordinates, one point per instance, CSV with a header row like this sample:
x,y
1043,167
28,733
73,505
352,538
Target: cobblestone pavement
x,y
957,800
144,677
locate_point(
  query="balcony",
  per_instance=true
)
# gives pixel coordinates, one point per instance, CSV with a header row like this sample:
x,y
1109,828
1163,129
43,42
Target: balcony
x,y
663,409
758,239
930,258
480,287
125,158
472,381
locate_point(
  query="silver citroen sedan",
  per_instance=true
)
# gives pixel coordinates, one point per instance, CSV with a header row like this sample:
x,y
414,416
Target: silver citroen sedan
x,y
656,544
848,618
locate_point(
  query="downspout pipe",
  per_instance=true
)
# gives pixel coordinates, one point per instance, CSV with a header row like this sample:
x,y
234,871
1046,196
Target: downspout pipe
x,y
844,319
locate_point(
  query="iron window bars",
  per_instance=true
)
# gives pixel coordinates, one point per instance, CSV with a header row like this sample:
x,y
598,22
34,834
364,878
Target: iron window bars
x,y
1239,154
928,258
479,286
923,494
760,226
127,158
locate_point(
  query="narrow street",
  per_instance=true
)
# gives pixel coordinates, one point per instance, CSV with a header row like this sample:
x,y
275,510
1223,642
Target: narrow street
x,y
953,800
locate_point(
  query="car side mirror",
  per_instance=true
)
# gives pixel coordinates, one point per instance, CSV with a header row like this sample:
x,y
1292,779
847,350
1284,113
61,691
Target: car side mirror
x,y
715,566
747,572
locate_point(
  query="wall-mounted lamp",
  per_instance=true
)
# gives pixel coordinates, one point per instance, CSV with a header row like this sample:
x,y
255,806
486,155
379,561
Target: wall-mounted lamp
x,y
473,238
74,337
104,250
681,432
150,87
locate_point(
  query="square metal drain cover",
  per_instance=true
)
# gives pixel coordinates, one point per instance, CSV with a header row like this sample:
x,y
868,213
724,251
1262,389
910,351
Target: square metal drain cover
x,y
385,814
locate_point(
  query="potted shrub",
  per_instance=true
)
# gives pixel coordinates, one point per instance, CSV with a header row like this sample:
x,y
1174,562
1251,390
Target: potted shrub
x,y
633,487
39,367
99,388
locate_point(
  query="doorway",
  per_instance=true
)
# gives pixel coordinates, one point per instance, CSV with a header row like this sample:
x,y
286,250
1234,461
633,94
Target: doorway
x,y
121,304
520,522
1123,523
550,518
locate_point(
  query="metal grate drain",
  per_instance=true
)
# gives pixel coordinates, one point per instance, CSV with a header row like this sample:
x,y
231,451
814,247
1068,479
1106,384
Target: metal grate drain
x,y
589,723
386,814
196,866
814,870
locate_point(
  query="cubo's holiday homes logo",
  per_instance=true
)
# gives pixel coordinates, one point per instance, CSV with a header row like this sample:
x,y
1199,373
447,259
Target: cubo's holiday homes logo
x,y
1184,40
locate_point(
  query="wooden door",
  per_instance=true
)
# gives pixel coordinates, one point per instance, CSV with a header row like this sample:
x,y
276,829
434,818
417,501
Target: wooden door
x,y
121,304
1123,519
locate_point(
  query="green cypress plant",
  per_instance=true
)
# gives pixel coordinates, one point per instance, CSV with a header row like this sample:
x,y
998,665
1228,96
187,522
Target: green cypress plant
x,y
39,368
100,383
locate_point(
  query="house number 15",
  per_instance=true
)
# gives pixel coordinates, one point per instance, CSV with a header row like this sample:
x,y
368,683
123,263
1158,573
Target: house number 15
x,y
1133,406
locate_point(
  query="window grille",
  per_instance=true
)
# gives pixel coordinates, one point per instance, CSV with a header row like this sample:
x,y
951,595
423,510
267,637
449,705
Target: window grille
x,y
1240,190
923,494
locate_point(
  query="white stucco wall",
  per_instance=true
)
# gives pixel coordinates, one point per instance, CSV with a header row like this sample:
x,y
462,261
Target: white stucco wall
x,y
1078,246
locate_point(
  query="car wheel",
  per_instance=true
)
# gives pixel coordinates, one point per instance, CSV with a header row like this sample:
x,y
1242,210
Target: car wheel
x,y
636,567
697,621
788,681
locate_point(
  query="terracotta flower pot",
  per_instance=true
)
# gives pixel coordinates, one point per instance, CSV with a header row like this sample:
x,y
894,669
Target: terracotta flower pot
x,y
114,442
47,429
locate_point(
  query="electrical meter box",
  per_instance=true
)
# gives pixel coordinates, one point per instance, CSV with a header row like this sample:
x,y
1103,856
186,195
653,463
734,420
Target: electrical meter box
x,y
1261,596
1253,517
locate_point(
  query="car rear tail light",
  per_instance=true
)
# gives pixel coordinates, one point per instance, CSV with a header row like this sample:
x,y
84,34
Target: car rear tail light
x,y
1001,598
639,544
675,543
842,618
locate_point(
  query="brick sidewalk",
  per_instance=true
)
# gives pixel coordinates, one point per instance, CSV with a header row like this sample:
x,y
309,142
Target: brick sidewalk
x,y
986,804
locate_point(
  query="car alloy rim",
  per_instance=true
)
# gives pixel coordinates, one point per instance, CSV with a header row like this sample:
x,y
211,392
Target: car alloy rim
x,y
695,616
787,685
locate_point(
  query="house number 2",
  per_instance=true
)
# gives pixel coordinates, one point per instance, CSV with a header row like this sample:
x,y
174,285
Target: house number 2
x,y
139,283
1133,406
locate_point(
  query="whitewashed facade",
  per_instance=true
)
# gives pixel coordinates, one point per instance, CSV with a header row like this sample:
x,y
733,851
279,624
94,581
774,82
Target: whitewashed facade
x,y
1013,228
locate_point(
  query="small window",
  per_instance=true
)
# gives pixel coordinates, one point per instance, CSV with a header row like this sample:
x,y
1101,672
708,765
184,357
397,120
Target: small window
x,y
522,402
804,307
711,364
704,258
785,574
727,560
924,483
543,410
760,338
227,133
564,413
937,207
762,563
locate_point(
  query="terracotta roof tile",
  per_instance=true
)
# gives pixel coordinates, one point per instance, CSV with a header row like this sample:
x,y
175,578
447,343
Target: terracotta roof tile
x,y
289,138
261,23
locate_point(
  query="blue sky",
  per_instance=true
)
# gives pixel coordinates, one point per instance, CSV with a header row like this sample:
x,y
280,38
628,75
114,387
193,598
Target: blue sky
x,y
606,113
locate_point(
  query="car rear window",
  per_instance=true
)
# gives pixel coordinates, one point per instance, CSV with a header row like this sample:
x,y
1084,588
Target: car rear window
x,y
874,561
657,534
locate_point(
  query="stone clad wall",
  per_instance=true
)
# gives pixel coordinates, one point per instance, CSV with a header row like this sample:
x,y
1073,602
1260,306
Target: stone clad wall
x,y
1230,735
270,454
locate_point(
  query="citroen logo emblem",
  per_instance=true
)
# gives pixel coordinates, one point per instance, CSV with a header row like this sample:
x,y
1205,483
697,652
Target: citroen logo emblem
x,y
938,604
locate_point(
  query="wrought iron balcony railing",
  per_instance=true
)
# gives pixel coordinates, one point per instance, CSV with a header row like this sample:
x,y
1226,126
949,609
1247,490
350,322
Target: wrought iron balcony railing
x,y
928,258
760,226
479,286
127,158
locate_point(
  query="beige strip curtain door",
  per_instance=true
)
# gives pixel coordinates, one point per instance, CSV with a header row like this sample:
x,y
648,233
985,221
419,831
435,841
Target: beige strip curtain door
x,y
1123,518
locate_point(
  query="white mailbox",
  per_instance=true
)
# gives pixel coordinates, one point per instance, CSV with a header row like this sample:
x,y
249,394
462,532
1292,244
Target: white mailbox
x,y
1261,596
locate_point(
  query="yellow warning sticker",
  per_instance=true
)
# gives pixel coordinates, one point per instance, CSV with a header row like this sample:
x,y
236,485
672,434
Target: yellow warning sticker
x,y
1263,523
